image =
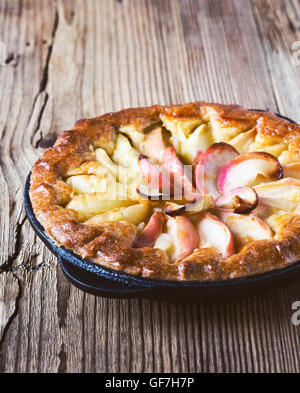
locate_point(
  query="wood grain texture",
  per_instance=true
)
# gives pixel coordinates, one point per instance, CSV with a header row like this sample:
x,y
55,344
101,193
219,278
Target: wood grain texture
x,y
72,59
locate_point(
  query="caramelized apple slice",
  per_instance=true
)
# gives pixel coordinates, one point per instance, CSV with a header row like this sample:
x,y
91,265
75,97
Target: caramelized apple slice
x,y
245,227
203,203
213,232
151,231
157,181
153,145
173,209
151,193
240,200
292,170
184,236
215,157
174,167
245,169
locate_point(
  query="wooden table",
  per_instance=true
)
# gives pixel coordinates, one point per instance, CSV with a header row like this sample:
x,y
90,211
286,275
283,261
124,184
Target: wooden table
x,y
71,59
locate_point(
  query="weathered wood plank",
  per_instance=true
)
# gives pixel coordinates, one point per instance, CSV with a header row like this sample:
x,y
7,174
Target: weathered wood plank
x,y
278,24
20,83
72,59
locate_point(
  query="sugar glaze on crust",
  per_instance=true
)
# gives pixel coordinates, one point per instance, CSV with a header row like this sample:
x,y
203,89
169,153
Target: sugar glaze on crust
x,y
110,243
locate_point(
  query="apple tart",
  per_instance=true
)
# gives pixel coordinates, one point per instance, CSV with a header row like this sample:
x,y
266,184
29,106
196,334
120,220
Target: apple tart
x,y
187,192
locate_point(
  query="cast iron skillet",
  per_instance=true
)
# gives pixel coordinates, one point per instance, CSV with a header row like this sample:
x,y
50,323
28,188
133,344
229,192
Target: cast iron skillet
x,y
102,281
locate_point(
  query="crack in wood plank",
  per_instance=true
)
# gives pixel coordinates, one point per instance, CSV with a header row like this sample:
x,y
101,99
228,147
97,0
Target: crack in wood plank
x,y
7,266
25,267
10,294
43,87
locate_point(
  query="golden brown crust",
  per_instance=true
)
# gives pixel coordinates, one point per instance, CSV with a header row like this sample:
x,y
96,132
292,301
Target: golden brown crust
x,y
110,244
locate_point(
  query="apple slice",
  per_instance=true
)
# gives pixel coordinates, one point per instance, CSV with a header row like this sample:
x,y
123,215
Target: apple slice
x,y
164,242
243,141
151,193
214,232
174,167
240,199
203,203
198,157
286,188
263,211
134,214
212,160
157,180
153,145
184,236
245,227
88,205
292,170
199,179
124,154
244,170
173,209
151,231
282,194
188,146
123,175
90,168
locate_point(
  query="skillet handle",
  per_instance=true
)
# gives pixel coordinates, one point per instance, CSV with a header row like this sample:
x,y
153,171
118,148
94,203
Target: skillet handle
x,y
100,286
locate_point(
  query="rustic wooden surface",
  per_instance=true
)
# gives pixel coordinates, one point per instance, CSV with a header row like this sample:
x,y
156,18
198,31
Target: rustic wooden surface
x,y
72,59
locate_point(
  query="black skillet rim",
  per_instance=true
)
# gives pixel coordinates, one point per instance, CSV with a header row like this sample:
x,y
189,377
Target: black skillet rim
x,y
136,283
